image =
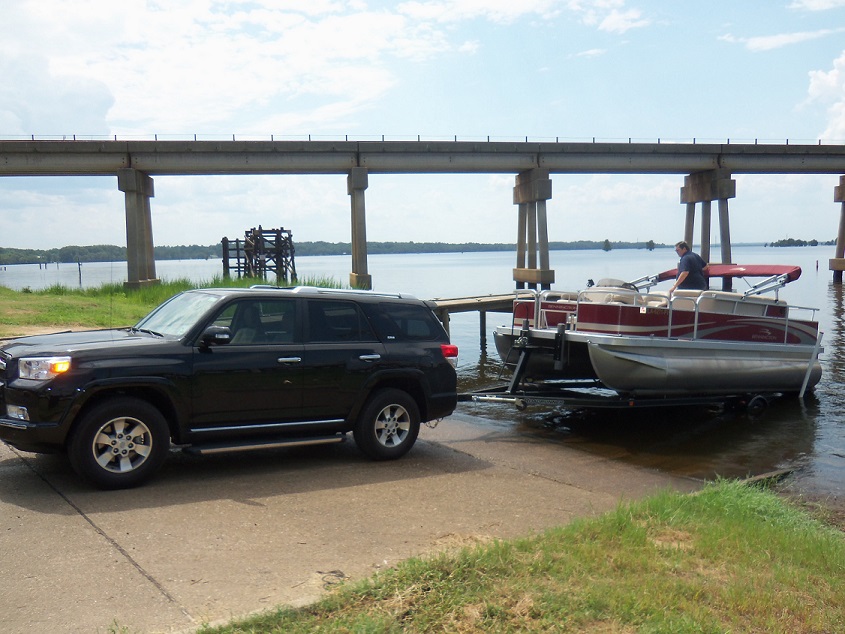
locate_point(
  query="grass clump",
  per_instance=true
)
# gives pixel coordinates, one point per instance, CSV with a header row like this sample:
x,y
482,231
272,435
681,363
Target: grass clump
x,y
730,559
107,306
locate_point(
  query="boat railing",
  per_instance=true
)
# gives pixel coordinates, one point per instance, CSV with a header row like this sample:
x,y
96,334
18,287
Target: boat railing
x,y
680,301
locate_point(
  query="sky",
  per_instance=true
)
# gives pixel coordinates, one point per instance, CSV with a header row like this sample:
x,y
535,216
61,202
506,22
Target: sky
x,y
573,70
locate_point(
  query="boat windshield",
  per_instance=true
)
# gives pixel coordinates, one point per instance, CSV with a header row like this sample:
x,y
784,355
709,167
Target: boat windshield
x,y
176,316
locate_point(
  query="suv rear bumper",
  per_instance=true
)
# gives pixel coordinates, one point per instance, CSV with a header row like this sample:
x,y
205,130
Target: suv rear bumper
x,y
442,405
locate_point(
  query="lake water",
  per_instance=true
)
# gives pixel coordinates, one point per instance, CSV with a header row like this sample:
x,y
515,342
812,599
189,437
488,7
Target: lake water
x,y
807,436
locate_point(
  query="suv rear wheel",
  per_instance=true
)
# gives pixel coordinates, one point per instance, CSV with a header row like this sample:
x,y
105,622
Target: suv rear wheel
x,y
119,443
388,425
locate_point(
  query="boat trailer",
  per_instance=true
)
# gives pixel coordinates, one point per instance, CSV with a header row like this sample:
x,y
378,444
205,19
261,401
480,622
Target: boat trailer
x,y
592,394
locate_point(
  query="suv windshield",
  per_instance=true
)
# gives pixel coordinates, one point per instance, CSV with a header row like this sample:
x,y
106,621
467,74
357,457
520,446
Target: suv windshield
x,y
179,314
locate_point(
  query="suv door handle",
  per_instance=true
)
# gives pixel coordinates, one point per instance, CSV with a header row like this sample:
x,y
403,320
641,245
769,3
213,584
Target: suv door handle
x,y
289,359
370,357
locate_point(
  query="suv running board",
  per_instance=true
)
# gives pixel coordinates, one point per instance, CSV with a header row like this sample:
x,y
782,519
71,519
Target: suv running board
x,y
271,443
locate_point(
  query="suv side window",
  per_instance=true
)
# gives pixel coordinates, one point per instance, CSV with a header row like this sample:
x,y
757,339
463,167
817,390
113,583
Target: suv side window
x,y
260,321
330,320
407,322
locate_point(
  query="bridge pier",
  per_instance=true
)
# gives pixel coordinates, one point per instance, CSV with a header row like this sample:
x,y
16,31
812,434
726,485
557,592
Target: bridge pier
x,y
533,188
140,260
356,184
837,264
705,187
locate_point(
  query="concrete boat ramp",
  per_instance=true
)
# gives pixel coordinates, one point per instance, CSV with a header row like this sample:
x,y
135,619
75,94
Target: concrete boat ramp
x,y
217,537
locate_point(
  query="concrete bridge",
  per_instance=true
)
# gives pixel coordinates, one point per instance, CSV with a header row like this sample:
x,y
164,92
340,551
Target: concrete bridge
x,y
708,169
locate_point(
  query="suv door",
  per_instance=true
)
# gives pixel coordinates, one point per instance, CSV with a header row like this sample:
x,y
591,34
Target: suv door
x,y
413,338
256,379
341,353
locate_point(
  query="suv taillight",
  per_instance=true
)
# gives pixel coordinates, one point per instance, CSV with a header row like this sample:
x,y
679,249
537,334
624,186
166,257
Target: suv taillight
x,y
450,353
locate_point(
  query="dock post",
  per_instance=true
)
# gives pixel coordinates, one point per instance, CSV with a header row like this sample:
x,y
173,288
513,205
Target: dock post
x,y
533,188
837,264
356,183
226,271
140,260
443,316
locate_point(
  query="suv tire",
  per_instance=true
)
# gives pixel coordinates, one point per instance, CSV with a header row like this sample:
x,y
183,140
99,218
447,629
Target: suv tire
x,y
120,443
388,425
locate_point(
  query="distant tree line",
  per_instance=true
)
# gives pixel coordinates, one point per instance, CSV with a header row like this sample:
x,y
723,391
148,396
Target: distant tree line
x,y
103,253
113,253
378,248
792,242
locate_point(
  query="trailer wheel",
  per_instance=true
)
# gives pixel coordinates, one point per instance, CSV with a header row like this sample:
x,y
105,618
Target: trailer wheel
x,y
756,406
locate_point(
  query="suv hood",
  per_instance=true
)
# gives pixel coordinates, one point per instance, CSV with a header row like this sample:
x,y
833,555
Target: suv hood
x,y
69,342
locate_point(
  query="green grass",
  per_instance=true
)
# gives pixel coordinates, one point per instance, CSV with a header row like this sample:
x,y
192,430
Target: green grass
x,y
730,559
107,306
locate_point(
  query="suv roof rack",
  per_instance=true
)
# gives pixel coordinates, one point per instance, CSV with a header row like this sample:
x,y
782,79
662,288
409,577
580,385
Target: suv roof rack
x,y
330,291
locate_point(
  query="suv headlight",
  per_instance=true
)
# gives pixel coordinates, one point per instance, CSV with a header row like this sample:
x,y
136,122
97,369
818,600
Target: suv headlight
x,y
42,368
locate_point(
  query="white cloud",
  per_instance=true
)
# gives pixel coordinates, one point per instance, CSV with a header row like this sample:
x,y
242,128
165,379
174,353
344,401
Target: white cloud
x,y
828,87
817,5
500,11
194,67
771,42
35,100
622,21
593,52
608,15
62,211
274,67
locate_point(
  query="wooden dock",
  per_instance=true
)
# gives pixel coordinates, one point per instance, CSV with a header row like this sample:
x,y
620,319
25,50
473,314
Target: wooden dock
x,y
500,303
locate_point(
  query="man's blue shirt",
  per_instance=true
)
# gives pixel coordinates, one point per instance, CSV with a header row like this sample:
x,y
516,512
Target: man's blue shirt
x,y
693,264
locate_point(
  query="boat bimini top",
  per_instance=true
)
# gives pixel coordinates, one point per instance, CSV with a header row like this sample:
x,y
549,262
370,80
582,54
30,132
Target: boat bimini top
x,y
775,276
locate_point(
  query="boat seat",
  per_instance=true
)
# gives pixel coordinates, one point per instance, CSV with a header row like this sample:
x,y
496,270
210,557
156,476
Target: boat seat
x,y
682,299
656,300
612,296
736,303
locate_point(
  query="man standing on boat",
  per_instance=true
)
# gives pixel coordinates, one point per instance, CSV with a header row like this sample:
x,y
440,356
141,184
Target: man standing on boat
x,y
692,269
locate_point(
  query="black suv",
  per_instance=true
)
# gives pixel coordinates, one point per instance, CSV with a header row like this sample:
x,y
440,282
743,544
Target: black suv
x,y
230,369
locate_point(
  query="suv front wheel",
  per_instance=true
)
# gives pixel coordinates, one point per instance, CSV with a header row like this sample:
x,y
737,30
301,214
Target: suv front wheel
x,y
120,443
388,425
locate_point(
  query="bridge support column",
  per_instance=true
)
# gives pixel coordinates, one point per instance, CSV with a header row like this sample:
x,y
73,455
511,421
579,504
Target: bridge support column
x,y
356,184
140,260
837,264
706,224
533,188
689,225
705,187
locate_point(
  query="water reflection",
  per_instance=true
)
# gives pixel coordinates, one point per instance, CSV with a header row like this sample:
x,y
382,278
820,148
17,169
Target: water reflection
x,y
822,471
835,339
699,442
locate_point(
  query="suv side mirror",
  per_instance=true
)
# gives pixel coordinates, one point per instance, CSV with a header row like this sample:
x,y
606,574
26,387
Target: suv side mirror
x,y
216,336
